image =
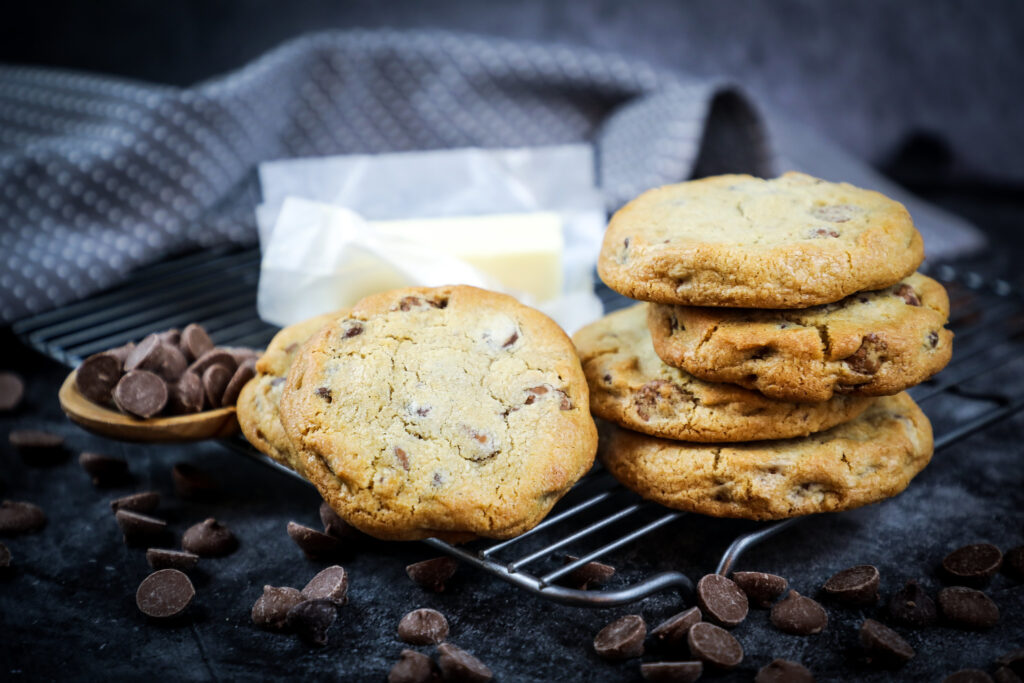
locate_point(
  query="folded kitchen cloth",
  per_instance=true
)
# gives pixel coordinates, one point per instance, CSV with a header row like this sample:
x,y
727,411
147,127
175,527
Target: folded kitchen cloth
x,y
99,175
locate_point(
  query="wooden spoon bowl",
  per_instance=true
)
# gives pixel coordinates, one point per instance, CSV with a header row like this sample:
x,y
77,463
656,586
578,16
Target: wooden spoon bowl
x,y
209,424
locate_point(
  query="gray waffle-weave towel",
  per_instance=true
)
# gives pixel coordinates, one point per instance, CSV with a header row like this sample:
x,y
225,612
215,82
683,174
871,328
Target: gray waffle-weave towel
x,y
98,174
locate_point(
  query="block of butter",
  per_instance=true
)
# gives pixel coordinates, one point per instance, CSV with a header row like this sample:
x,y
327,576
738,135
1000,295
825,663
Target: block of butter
x,y
522,252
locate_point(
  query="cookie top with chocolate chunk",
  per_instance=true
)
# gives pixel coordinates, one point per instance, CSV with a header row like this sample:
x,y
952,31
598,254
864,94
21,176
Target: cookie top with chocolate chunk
x,y
739,241
867,459
448,411
631,386
259,403
870,343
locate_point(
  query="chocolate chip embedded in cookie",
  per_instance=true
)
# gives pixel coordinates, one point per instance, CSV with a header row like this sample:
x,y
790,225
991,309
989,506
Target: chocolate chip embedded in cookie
x,y
739,241
865,460
453,412
631,386
870,343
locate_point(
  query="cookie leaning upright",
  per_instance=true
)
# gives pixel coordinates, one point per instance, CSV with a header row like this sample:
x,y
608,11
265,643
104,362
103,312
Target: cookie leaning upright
x,y
448,411
739,241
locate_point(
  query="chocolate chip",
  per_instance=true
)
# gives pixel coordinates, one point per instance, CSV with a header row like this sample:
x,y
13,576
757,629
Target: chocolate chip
x,y
867,359
883,645
968,608
146,501
784,671
186,396
761,589
158,356
104,470
458,665
1005,674
97,376
353,330
215,381
315,545
141,351
12,389
122,352
933,339
721,600
171,336
911,606
413,667
671,672
333,524
714,646
211,358
271,609
311,619
907,293
165,593
432,574
854,586
330,584
621,639
194,342
972,565
38,447
968,676
402,457
165,558
192,483
209,538
423,627
245,372
799,615
20,517
589,574
674,629
815,233
5,557
139,529
1013,562
141,394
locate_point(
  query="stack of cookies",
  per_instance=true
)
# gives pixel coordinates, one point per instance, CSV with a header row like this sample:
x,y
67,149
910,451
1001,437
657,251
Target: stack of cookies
x,y
765,378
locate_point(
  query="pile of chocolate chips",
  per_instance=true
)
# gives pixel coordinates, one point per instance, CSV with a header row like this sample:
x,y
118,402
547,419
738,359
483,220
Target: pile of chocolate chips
x,y
167,373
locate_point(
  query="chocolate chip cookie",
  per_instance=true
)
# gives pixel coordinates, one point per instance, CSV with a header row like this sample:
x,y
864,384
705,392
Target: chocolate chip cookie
x,y
260,400
631,386
450,411
870,343
863,461
739,241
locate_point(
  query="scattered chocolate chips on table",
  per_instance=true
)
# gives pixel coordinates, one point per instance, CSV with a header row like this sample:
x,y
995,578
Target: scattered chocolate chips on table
x,y
714,646
912,606
622,638
967,608
432,574
883,645
12,390
146,501
38,447
721,600
20,517
671,672
104,469
968,676
413,667
591,573
164,593
762,589
315,544
674,629
271,609
972,565
139,529
799,615
209,538
165,558
193,483
333,524
423,627
311,619
330,584
856,586
784,671
458,665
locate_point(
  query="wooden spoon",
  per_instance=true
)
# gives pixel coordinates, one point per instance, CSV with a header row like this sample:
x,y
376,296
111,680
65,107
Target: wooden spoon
x,y
209,424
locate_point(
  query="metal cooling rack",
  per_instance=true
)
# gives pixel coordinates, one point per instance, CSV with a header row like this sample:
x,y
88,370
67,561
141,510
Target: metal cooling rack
x,y
217,288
